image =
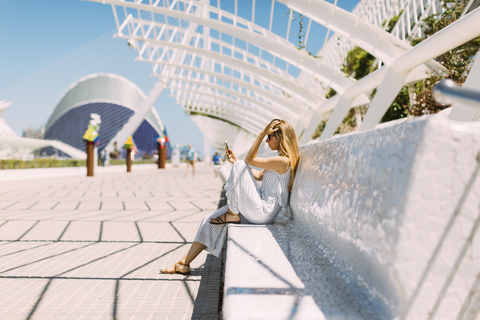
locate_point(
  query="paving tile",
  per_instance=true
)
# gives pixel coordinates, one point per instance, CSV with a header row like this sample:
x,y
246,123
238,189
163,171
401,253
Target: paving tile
x,y
156,205
112,205
184,205
55,193
134,216
17,215
177,308
207,204
92,194
28,262
138,260
143,194
136,205
126,194
46,230
67,205
170,216
76,193
6,204
12,248
88,299
69,256
109,194
44,205
93,215
162,232
82,231
86,240
46,215
89,205
22,205
119,231
18,297
187,229
13,230
195,217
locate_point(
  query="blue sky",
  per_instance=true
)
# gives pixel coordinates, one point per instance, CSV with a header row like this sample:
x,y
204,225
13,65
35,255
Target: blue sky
x,y
40,39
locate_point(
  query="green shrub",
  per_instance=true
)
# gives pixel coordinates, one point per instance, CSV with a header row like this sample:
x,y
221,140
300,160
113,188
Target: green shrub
x,y
359,63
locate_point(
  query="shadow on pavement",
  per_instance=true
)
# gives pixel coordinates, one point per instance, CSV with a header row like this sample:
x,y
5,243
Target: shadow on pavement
x,y
208,304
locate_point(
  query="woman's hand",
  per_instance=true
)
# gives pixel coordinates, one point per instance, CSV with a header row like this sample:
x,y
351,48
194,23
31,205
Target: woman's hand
x,y
269,129
231,157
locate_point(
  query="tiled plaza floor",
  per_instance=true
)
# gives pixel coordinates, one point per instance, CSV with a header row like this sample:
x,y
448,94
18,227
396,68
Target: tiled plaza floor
x,y
91,248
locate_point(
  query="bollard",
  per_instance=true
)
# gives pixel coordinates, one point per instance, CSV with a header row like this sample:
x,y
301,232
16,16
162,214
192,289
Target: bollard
x,y
129,160
162,156
90,146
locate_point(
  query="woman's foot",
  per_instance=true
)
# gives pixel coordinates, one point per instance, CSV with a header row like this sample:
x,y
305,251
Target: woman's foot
x,y
226,218
177,268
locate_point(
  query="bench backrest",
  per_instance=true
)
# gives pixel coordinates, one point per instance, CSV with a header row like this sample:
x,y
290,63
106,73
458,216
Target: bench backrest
x,y
393,209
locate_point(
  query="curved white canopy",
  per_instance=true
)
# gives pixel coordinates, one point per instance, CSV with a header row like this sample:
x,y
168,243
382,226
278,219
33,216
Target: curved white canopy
x,y
245,71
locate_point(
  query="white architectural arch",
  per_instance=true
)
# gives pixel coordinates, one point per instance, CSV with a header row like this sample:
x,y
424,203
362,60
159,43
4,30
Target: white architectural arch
x,y
261,68
278,100
199,13
212,83
195,43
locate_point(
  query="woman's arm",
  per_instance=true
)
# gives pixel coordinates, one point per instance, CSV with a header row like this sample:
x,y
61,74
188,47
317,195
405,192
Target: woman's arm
x,y
277,163
258,174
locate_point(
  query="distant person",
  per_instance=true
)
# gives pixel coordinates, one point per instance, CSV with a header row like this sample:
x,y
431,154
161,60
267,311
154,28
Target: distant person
x,y
216,162
191,159
176,156
257,205
103,157
216,159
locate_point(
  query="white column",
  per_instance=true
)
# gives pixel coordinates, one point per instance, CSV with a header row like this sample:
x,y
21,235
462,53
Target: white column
x,y
136,119
315,118
207,146
386,93
341,110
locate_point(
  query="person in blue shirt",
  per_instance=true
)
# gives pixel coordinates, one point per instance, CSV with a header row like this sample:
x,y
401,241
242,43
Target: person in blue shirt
x,y
191,159
216,161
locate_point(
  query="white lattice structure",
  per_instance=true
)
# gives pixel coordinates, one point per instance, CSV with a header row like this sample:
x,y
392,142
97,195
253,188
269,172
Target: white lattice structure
x,y
243,70
379,13
235,65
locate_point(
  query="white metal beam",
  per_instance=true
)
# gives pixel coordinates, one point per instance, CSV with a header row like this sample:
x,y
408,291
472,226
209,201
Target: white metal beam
x,y
205,84
136,119
292,88
282,102
372,39
275,45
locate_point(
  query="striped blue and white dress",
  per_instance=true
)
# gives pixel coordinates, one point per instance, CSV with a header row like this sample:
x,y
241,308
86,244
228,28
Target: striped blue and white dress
x,y
257,205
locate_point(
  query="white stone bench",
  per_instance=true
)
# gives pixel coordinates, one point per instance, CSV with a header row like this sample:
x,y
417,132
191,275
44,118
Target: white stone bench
x,y
260,282
384,226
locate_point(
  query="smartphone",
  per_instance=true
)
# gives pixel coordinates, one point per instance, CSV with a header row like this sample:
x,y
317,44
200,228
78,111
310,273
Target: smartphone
x,y
226,146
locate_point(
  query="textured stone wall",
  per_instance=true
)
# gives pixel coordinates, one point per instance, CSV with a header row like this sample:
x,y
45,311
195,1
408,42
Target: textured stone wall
x,y
396,210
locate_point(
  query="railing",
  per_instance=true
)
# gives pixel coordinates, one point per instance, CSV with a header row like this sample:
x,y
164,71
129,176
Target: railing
x,y
447,92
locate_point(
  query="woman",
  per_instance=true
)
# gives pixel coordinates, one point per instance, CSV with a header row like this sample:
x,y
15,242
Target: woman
x,y
259,206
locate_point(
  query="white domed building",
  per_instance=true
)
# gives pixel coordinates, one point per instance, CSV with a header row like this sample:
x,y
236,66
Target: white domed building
x,y
112,97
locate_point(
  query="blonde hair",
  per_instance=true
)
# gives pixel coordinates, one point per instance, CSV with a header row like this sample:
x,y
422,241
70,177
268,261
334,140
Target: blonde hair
x,y
287,146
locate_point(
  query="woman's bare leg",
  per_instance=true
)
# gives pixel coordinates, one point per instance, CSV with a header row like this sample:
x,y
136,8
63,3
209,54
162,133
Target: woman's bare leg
x,y
192,253
183,264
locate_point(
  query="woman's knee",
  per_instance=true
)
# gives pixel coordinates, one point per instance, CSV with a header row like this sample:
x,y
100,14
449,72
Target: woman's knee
x,y
240,164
